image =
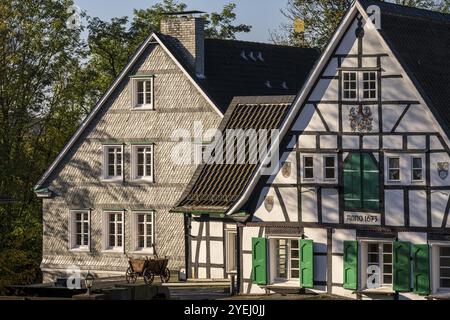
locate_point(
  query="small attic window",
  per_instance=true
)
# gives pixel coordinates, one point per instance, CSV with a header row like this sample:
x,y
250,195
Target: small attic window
x,y
142,91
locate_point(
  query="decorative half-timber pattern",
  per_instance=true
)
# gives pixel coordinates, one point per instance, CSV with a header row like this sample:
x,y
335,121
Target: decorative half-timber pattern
x,y
303,215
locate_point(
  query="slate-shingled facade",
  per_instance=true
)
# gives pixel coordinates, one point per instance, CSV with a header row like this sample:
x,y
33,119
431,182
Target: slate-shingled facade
x,y
91,222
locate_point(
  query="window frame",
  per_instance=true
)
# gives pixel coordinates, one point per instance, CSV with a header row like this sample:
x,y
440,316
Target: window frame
x,y
389,168
439,267
106,222
413,168
362,81
145,105
135,231
289,259
325,167
229,253
350,81
381,263
73,246
359,90
105,163
304,178
134,162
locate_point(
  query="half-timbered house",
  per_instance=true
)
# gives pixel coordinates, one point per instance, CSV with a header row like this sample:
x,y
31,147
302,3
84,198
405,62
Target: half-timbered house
x,y
360,204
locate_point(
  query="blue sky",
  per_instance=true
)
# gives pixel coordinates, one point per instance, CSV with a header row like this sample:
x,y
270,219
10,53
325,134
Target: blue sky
x,y
262,15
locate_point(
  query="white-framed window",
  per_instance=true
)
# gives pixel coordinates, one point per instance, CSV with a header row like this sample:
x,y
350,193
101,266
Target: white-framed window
x,y
369,85
393,168
143,231
231,250
329,167
359,85
142,162
287,259
143,92
113,162
114,230
379,254
444,267
416,168
350,85
80,230
308,168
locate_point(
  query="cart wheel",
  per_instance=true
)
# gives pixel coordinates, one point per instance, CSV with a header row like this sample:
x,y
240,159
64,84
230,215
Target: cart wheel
x,y
148,276
130,276
165,275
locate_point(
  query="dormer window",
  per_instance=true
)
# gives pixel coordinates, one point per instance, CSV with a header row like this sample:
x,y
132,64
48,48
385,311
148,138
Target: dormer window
x,y
142,92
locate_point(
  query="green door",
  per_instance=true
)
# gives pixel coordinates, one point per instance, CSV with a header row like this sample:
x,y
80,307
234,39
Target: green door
x,y
259,261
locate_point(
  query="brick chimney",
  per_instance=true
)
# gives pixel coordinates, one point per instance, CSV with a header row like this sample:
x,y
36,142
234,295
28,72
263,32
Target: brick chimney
x,y
187,34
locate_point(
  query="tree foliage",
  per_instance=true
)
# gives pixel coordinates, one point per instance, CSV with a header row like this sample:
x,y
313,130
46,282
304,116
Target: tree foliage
x,y
50,78
42,99
113,42
322,17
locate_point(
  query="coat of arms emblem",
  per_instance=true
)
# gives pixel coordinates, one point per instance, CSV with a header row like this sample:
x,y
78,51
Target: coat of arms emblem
x,y
361,119
268,203
442,169
286,169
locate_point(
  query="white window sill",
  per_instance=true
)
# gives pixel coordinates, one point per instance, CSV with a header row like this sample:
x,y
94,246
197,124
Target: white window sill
x,y
115,250
147,180
142,107
116,180
380,290
142,252
79,249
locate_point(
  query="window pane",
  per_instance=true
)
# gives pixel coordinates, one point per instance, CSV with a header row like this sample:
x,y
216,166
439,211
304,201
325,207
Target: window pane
x,y
140,170
119,241
78,216
149,241
119,217
141,242
417,174
387,279
112,228
294,264
309,173
373,258
394,163
78,227
417,163
445,283
387,268
373,247
329,162
445,262
387,258
387,247
295,274
140,86
329,173
149,229
445,272
445,251
294,244
140,218
78,240
308,161
394,174
86,240
112,242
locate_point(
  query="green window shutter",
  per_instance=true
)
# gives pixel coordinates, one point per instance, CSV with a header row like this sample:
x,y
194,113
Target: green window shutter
x,y
351,265
421,269
352,181
306,263
259,260
402,266
370,183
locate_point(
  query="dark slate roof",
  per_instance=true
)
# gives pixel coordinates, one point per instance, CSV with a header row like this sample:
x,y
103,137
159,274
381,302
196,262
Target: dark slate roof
x,y
215,187
420,39
229,74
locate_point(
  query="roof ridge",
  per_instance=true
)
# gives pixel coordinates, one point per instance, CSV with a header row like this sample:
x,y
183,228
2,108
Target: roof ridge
x,y
260,43
408,10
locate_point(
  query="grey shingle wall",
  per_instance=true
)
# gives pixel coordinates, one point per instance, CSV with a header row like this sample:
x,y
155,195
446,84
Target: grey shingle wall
x,y
77,180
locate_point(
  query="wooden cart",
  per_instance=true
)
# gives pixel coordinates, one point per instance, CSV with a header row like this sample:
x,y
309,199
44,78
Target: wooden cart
x,y
148,269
